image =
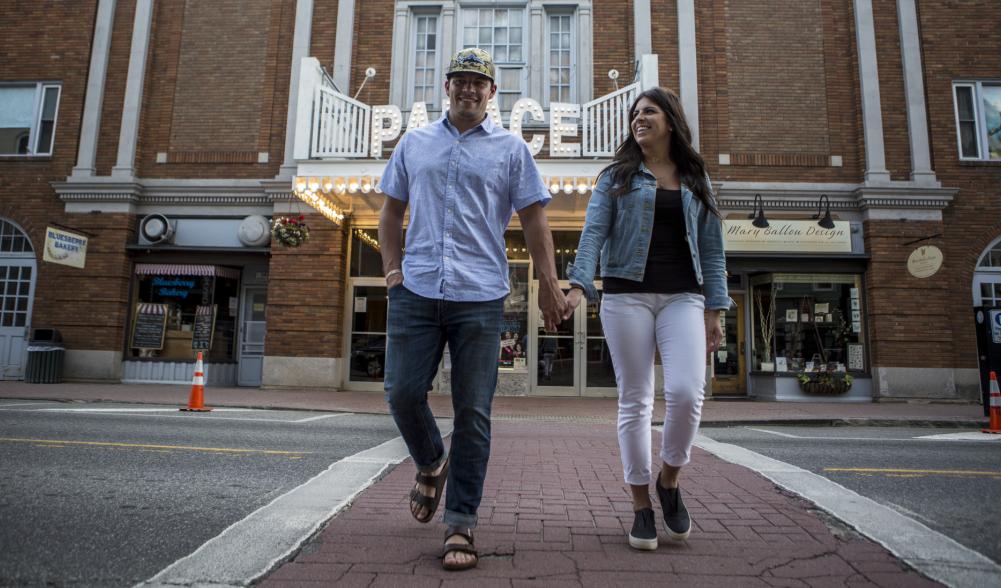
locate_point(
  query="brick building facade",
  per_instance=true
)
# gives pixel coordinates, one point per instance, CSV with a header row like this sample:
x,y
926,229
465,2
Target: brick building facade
x,y
211,118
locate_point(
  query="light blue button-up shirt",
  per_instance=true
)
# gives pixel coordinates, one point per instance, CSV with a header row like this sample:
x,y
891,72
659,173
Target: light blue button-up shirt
x,y
462,191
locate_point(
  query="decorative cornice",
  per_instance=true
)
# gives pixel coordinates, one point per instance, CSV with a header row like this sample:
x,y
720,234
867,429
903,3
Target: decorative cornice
x,y
179,192
844,197
904,197
96,192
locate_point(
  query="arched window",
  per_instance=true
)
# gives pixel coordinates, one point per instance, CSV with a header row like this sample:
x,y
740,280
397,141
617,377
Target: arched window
x,y
987,279
13,240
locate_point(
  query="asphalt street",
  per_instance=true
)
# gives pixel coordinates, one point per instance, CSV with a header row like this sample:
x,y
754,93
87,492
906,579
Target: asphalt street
x,y
947,479
108,495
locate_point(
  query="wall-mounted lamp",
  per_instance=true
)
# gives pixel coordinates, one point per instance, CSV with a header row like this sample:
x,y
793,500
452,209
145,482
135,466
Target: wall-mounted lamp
x,y
613,74
826,221
369,74
759,213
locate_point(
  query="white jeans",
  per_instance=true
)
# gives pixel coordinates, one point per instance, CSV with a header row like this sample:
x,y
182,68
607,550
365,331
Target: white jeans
x,y
675,323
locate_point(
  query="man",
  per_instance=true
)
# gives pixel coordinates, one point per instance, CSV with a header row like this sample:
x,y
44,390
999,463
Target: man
x,y
462,178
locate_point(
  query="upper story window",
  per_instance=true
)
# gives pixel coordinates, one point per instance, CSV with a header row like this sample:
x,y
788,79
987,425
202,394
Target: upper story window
x,y
425,51
560,56
978,120
555,39
28,118
501,31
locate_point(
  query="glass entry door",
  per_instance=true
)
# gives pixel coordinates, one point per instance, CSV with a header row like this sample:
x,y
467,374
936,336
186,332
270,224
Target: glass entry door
x,y
574,360
253,330
728,361
367,310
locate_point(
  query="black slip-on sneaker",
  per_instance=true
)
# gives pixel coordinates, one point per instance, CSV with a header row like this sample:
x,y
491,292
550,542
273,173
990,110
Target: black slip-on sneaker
x,y
644,533
679,524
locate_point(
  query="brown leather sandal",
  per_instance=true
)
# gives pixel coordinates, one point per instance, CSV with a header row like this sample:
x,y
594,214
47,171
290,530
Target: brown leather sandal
x,y
420,501
469,548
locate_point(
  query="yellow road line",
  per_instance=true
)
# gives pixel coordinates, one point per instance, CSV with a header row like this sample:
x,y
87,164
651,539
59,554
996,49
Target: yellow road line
x,y
147,446
918,472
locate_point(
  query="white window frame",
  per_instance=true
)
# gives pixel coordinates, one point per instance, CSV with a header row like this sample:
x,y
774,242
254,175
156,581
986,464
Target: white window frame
x,y
979,118
526,39
534,79
415,14
571,12
34,133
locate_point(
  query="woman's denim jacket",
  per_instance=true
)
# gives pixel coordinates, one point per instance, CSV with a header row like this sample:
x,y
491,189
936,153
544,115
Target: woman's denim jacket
x,y
620,228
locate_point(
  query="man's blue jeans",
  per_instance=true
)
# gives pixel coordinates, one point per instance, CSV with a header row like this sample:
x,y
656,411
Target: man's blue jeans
x,y
418,330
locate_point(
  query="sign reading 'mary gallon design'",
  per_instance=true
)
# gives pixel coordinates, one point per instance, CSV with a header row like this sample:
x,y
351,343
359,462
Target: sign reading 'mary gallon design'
x,y
796,236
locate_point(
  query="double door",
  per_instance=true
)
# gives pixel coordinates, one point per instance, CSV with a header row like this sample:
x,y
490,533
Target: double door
x,y
574,360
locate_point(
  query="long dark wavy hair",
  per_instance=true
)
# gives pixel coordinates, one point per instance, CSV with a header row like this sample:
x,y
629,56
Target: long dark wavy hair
x,y
691,167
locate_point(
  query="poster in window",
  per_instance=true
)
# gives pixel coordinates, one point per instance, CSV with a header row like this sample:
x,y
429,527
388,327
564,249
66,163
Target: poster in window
x,y
204,327
855,359
149,326
791,315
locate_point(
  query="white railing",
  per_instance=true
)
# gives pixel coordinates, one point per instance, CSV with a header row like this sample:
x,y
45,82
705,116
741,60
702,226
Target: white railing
x,y
331,125
605,121
341,126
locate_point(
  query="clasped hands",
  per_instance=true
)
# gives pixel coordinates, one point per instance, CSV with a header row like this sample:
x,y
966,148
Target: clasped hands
x,y
556,306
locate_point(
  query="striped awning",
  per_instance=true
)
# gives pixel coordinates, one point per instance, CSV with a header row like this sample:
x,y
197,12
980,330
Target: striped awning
x,y
186,269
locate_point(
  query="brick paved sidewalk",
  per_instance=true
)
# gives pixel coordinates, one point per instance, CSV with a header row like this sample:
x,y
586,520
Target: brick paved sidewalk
x,y
555,513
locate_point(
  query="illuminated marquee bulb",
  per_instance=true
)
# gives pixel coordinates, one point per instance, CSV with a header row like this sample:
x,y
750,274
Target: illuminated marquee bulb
x,y
314,184
340,186
581,186
376,185
327,185
554,185
366,185
353,185
300,184
568,185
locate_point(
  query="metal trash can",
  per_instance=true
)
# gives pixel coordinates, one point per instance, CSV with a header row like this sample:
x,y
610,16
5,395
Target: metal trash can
x,y
45,357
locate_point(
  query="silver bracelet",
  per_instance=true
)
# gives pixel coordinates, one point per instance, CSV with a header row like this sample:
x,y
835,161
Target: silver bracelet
x,y
392,273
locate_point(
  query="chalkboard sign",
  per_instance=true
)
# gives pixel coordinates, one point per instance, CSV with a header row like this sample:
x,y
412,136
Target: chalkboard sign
x,y
149,326
204,327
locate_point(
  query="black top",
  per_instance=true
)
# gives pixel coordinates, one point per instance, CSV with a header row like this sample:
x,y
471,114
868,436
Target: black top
x,y
669,267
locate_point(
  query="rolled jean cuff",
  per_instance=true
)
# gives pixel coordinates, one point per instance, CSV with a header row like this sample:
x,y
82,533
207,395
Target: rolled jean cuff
x,y
437,463
459,519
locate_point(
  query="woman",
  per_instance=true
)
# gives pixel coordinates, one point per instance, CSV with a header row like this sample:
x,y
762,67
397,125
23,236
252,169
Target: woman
x,y
653,218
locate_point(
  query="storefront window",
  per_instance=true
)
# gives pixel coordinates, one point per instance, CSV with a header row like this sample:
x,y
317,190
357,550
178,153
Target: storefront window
x,y
808,323
564,249
366,258
178,312
514,327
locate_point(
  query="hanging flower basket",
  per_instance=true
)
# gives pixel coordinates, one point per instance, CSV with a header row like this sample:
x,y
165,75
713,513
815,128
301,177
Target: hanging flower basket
x,y
290,231
824,383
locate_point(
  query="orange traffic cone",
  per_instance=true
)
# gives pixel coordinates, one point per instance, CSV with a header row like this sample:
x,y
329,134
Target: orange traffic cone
x,y
196,400
995,424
